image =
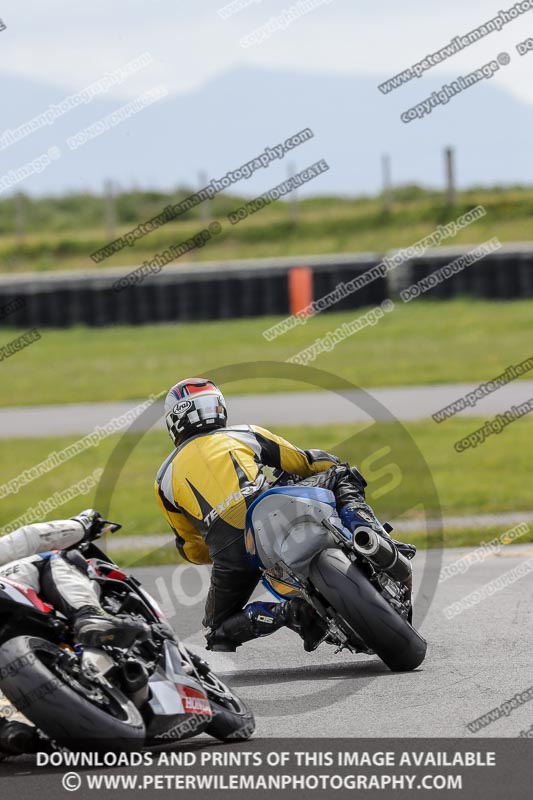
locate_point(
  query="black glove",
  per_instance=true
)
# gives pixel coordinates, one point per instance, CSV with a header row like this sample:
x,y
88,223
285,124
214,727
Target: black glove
x,y
93,524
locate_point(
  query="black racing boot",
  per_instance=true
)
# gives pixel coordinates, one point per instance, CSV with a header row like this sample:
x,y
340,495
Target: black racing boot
x,y
17,738
255,620
304,620
93,627
261,619
407,550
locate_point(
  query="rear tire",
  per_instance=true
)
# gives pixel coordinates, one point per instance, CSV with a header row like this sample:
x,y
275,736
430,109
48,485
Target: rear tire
x,y
344,587
37,688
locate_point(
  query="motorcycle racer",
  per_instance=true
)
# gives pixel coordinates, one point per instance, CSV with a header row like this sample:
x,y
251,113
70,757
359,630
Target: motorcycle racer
x,y
204,489
43,558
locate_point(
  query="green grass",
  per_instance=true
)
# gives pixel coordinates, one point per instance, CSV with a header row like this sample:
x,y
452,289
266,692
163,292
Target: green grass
x,y
459,537
144,557
62,232
430,474
426,342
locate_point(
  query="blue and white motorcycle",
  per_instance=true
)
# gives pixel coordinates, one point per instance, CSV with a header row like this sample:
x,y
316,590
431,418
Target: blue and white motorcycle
x,y
360,586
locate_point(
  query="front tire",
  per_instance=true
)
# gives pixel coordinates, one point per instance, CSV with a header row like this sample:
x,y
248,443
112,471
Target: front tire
x,y
342,584
37,677
232,719
228,724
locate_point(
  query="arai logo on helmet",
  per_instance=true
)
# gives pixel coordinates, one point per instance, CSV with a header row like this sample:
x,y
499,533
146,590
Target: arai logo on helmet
x,y
181,407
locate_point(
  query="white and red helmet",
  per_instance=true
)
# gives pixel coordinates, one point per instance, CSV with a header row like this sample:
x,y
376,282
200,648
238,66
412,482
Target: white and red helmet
x,y
192,406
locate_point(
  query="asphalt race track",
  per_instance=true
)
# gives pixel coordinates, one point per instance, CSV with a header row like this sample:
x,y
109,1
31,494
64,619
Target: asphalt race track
x,y
476,661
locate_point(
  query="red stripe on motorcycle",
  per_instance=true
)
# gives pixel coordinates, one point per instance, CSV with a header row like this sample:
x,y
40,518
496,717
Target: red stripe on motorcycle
x,y
116,575
32,596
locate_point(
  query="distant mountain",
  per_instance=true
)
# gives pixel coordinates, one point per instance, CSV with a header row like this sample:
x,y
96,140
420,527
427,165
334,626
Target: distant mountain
x,y
232,118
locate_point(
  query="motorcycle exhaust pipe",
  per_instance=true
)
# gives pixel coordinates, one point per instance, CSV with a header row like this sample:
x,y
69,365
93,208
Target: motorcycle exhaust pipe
x,y
382,554
135,682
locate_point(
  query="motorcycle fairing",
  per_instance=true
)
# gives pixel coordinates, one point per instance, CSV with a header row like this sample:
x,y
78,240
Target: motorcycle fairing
x,y
175,696
20,593
285,526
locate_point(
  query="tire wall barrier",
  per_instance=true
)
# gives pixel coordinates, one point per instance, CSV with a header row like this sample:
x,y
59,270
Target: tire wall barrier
x,y
224,292
500,276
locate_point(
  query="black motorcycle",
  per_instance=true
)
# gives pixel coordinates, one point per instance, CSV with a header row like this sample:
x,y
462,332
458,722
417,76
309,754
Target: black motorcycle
x,y
151,692
360,586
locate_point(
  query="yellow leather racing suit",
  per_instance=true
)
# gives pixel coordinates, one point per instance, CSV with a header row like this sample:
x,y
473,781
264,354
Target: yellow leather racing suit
x,y
204,489
212,478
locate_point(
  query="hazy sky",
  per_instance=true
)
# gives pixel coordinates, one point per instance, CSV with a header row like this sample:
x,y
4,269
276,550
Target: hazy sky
x,y
68,43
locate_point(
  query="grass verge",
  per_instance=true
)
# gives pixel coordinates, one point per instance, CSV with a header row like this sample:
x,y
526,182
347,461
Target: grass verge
x,y
485,480
62,232
426,342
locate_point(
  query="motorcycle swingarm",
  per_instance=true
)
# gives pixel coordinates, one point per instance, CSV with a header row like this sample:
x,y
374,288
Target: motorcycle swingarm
x,y
334,634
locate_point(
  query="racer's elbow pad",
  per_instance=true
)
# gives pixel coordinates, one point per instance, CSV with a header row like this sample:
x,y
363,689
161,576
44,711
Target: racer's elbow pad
x,y
315,456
